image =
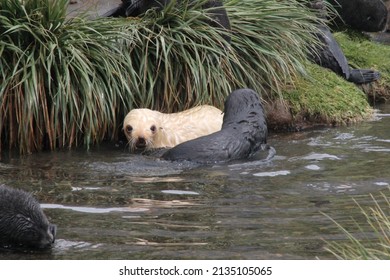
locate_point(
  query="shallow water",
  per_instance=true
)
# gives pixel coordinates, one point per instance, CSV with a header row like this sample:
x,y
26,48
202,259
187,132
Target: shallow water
x,y
109,204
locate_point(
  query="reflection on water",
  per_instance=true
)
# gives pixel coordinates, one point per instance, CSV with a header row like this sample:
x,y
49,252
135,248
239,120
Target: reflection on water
x,y
109,204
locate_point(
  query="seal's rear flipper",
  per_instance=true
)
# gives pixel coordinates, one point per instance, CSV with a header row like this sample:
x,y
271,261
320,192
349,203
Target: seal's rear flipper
x,y
363,76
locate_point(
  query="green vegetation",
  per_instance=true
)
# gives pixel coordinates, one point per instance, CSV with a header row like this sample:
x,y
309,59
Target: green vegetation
x,y
65,82
325,98
58,79
375,244
70,81
363,53
322,97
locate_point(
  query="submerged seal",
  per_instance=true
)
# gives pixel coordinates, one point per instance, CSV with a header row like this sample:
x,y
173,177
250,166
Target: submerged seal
x,y
330,55
135,8
22,222
147,129
244,131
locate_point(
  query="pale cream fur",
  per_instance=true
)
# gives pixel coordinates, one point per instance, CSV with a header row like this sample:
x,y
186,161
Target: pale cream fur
x,y
170,129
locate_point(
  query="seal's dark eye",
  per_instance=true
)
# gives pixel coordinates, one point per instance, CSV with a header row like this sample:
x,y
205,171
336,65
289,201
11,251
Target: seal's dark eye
x,y
153,128
129,128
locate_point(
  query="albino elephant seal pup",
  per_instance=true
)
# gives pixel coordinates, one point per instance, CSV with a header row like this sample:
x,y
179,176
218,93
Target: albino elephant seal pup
x,y
243,132
22,222
147,129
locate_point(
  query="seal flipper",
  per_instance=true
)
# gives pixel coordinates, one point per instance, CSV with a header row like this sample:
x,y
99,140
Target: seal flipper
x,y
363,76
333,57
330,56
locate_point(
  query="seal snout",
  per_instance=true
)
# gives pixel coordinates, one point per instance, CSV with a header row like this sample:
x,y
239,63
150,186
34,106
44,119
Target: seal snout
x,y
48,237
140,143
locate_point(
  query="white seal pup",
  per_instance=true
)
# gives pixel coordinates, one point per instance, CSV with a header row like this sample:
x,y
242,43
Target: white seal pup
x,y
147,129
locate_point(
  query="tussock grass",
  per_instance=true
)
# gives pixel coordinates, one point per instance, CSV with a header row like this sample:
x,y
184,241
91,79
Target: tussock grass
x,y
373,246
323,97
60,80
363,53
69,81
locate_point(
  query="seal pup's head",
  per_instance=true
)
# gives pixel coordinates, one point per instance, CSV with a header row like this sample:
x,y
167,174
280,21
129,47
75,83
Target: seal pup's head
x,y
22,221
141,127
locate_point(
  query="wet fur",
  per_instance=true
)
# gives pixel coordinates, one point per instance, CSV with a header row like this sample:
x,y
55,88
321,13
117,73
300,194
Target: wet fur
x,y
22,221
148,129
330,55
243,132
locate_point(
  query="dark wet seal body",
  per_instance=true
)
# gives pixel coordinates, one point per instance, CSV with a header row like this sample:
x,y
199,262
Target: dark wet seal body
x,y
363,15
243,133
330,55
135,8
22,222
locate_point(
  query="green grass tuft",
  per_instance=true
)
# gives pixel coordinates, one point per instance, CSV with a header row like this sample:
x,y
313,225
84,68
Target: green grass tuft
x,y
326,98
363,53
368,244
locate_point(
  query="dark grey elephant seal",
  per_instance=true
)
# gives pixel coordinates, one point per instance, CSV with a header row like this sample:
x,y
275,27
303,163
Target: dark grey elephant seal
x,y
330,56
135,8
22,222
243,132
363,15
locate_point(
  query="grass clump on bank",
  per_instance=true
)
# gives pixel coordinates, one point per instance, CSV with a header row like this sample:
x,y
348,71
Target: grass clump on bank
x,y
59,79
69,81
364,53
322,97
374,245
